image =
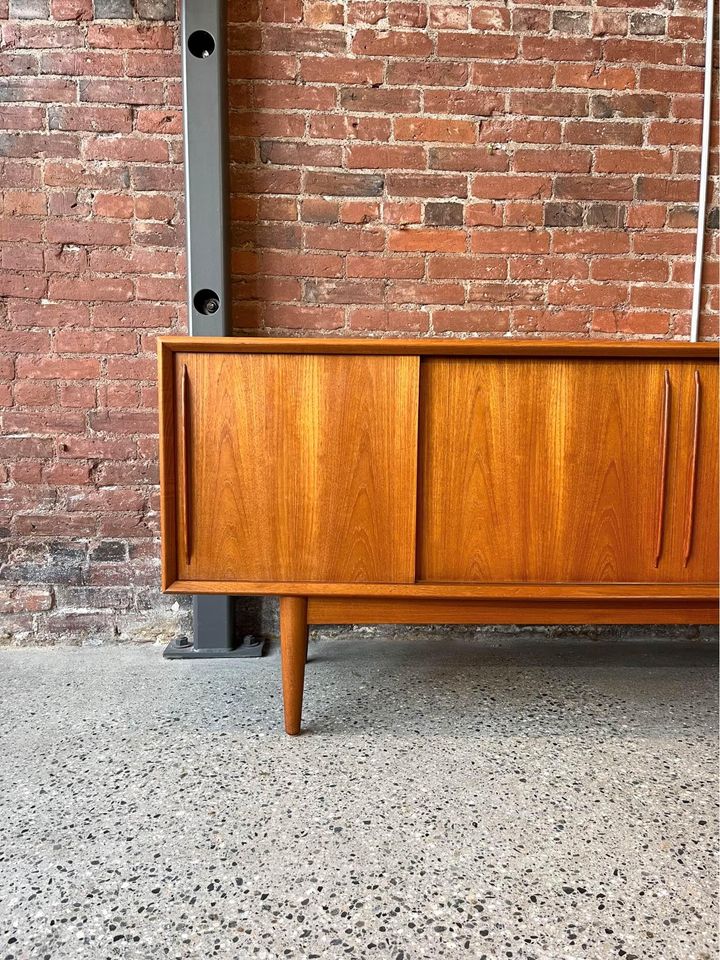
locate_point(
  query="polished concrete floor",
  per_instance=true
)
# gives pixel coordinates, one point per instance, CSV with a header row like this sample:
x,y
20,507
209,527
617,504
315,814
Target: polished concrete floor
x,y
473,798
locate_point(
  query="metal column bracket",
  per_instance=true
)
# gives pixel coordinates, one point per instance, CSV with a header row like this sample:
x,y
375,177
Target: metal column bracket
x,y
207,233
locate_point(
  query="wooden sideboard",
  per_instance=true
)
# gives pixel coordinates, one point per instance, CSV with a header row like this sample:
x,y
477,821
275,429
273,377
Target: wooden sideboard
x,y
454,481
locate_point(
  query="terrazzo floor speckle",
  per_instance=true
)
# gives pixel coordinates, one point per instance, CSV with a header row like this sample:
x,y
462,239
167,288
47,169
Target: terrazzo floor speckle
x,y
492,799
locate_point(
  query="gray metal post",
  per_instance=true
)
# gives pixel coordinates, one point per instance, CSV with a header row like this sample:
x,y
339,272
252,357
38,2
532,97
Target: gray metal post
x,y
207,240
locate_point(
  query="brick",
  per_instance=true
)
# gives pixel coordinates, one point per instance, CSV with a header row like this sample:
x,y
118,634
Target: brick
x,y
595,76
429,74
344,184
671,81
490,19
425,185
476,103
633,161
606,215
509,241
341,70
439,131
549,104
563,215
87,232
22,118
472,159
571,22
320,13
512,75
636,269
386,157
502,130
511,187
645,51
443,214
58,368
553,160
430,241
447,16
113,9
385,267
96,119
98,289
391,44
474,320
71,9
607,23
603,132
551,320
130,36
647,24
30,9
359,211
389,320
156,9
25,599
342,291
549,268
594,188
630,105
584,242
476,46
671,133
370,100
412,293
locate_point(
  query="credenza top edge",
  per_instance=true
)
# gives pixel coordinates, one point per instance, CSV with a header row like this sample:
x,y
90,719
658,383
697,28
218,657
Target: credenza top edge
x,y
476,347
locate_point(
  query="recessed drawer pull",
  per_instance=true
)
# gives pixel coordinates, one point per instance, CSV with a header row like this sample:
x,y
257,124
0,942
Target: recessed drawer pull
x,y
185,447
693,473
664,438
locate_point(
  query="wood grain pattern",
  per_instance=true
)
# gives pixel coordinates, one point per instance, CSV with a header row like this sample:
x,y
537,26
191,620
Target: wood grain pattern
x,y
450,347
544,470
325,610
302,467
571,592
293,654
694,476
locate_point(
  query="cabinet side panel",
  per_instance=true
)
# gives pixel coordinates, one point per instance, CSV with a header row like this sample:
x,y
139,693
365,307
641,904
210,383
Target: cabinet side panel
x,y
302,467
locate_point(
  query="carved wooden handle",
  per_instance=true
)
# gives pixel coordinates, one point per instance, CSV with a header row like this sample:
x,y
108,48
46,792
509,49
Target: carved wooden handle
x,y
690,523
664,437
185,447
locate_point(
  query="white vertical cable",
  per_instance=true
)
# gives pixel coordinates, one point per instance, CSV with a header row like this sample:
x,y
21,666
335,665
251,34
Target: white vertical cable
x,y
704,162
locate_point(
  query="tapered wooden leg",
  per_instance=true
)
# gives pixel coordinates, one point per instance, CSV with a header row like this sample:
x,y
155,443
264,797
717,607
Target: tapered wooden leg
x,y
293,649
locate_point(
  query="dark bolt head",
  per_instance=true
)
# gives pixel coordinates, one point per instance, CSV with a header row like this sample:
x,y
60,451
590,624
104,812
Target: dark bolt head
x,y
212,305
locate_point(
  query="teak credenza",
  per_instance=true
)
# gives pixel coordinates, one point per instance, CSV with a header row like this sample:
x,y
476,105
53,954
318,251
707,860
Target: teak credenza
x,y
451,481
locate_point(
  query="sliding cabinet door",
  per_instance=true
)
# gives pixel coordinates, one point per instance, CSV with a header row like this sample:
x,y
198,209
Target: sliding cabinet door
x,y
561,470
296,467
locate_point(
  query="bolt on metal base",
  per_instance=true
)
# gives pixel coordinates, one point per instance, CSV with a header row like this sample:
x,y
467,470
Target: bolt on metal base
x,y
214,634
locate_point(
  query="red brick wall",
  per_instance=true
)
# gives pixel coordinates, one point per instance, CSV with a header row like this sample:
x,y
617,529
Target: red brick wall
x,y
408,167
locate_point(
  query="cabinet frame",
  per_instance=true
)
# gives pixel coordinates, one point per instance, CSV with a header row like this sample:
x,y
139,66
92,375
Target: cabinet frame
x,y
306,603
639,594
